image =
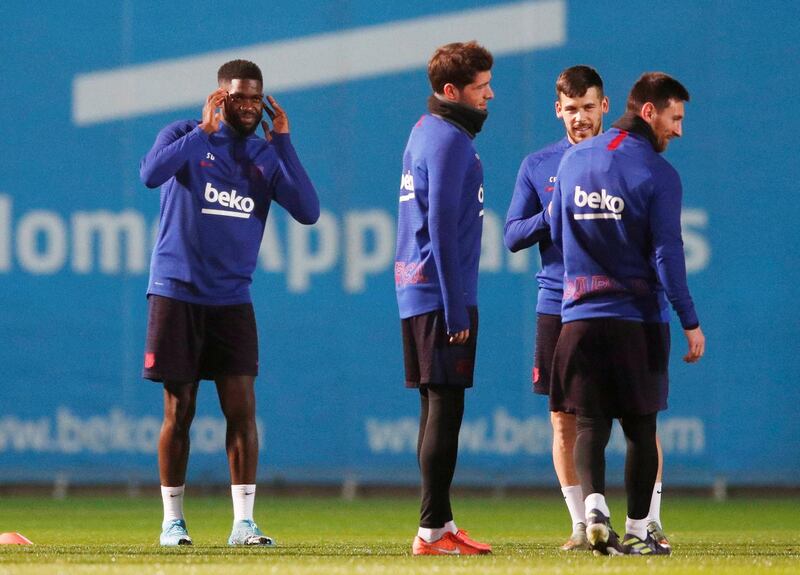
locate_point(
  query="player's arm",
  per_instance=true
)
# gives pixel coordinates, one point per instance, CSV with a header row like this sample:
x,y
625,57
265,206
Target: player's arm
x,y
175,144
665,224
292,188
525,220
552,215
447,167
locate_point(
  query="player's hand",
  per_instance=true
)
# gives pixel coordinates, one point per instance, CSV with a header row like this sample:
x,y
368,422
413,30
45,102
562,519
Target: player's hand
x,y
276,114
460,337
697,344
212,117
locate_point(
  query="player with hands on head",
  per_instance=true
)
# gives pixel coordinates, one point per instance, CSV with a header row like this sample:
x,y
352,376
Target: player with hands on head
x,y
218,180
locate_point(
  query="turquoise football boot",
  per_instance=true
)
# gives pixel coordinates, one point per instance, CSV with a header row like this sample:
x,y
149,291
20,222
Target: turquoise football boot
x,y
247,533
173,533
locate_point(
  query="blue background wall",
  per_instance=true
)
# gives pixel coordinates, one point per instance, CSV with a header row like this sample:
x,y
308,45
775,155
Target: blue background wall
x,y
331,401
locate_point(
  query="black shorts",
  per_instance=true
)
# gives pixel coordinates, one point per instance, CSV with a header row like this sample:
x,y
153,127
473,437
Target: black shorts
x,y
609,367
548,327
429,357
188,342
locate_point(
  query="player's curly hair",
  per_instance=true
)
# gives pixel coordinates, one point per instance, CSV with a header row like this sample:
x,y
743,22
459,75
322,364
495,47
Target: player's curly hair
x,y
239,69
457,64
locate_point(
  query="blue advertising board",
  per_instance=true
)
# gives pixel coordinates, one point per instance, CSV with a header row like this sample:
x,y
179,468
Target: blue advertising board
x,y
88,86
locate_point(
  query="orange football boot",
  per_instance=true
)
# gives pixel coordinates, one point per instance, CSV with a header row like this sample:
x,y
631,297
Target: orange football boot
x,y
448,544
464,537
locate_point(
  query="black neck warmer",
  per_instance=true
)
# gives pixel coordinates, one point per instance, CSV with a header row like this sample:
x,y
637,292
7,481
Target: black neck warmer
x,y
467,118
633,123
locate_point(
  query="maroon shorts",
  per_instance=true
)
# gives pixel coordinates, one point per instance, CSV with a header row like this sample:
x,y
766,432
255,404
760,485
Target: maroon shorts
x,y
429,357
607,367
187,342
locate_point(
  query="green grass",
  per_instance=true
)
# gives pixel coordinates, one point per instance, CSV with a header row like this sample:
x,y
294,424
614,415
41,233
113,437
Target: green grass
x,y
84,535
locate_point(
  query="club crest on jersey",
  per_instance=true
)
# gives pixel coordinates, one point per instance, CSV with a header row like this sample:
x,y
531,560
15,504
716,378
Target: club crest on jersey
x,y
610,207
238,206
407,184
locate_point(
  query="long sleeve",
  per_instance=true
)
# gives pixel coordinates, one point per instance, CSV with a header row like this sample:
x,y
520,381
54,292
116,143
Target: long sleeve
x,y
292,187
169,153
525,220
665,223
447,167
554,219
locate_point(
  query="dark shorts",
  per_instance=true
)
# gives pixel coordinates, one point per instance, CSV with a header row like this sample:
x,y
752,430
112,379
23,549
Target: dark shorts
x,y
548,327
429,357
608,367
188,342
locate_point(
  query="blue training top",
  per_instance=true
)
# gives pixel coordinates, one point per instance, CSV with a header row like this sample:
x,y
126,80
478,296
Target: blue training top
x,y
616,220
439,223
526,225
216,190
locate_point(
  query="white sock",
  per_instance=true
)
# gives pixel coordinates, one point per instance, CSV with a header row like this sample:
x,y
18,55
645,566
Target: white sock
x,y
172,498
430,535
450,527
655,504
597,501
574,498
636,527
244,496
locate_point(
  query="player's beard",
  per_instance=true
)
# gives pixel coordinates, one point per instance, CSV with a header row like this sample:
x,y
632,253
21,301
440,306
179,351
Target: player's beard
x,y
235,122
590,132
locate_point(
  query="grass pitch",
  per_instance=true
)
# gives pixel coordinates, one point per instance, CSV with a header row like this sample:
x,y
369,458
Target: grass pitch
x,y
88,535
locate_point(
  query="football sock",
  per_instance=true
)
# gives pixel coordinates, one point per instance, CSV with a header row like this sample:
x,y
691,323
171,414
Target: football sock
x,y
450,526
636,527
655,504
438,451
244,496
430,535
172,498
573,495
641,462
597,501
590,453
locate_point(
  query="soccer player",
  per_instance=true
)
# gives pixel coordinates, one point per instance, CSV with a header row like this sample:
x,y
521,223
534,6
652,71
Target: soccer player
x,y
581,105
218,179
440,221
615,217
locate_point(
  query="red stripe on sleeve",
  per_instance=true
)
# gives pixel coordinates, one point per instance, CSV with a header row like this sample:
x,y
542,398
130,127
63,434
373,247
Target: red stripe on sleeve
x,y
618,140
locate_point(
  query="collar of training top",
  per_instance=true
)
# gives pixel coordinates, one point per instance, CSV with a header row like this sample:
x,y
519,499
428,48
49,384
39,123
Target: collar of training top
x,y
631,122
467,118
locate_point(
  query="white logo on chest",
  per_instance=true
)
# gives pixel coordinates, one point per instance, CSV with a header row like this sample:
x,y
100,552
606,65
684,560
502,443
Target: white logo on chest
x,y
239,206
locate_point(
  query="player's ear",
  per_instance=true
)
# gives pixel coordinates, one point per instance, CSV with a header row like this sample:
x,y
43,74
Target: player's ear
x,y
558,108
450,92
604,105
648,111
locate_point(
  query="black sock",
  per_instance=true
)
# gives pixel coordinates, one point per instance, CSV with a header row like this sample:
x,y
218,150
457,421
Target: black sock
x,y
641,462
590,452
442,409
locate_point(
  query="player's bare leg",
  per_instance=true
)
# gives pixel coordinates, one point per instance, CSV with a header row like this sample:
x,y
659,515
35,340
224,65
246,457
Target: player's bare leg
x,y
564,433
173,455
654,515
238,401
173,441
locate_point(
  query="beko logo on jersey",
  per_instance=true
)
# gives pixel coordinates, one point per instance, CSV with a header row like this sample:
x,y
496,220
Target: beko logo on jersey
x,y
612,205
241,205
407,184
